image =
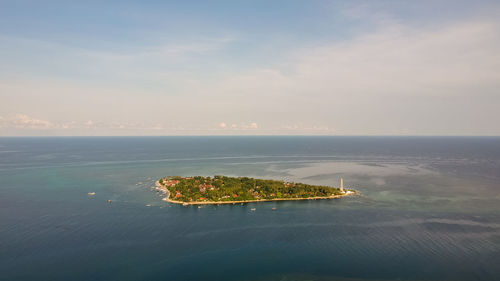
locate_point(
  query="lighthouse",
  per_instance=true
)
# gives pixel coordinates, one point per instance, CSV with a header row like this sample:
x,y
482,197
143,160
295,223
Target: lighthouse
x,y
342,185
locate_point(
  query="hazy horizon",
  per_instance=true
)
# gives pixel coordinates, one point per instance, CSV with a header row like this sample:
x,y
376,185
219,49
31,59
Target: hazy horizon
x,y
347,68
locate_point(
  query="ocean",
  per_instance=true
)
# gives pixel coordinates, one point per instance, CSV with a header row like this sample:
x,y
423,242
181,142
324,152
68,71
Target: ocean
x,y
429,209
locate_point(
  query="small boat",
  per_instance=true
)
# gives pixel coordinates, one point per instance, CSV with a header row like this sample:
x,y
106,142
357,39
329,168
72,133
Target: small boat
x,y
185,204
148,205
109,201
253,209
91,193
274,209
199,207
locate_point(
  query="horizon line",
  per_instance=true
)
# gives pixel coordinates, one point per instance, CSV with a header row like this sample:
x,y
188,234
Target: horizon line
x,y
302,135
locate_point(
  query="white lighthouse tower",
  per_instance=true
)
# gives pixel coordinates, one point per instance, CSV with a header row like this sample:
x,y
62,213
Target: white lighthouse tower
x,y
342,185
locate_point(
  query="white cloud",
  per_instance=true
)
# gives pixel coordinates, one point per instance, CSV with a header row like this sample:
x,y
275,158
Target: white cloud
x,y
89,124
395,79
396,60
25,121
301,127
400,60
241,126
150,54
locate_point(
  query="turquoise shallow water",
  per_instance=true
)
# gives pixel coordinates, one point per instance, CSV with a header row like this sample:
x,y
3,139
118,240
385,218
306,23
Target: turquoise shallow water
x,y
429,209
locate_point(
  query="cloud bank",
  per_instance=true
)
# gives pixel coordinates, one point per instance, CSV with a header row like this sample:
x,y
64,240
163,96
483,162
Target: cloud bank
x,y
391,78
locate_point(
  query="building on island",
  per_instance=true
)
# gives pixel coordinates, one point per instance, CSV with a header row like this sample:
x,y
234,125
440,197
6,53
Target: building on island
x,y
342,185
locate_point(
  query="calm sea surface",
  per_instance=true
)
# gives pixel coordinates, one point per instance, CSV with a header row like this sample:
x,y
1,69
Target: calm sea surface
x,y
429,209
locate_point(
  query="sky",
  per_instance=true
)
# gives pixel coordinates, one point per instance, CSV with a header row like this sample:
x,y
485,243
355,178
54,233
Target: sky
x,y
89,68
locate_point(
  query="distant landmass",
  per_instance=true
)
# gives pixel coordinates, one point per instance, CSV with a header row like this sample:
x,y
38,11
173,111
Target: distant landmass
x,y
226,190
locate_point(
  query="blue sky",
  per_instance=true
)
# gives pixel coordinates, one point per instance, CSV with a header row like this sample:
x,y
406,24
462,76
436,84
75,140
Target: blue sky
x,y
249,67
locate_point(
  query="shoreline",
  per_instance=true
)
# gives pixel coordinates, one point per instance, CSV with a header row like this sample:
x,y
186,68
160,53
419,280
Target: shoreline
x,y
165,190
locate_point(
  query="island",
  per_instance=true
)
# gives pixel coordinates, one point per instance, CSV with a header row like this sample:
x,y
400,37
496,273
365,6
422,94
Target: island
x,y
218,189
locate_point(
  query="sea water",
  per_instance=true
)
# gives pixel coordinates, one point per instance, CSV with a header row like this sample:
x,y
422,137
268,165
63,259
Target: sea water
x,y
429,209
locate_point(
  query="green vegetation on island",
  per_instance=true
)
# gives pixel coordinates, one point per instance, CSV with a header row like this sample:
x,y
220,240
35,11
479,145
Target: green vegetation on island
x,y
222,189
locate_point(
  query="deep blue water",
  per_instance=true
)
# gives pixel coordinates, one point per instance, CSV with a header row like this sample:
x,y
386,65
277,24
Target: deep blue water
x,y
429,209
